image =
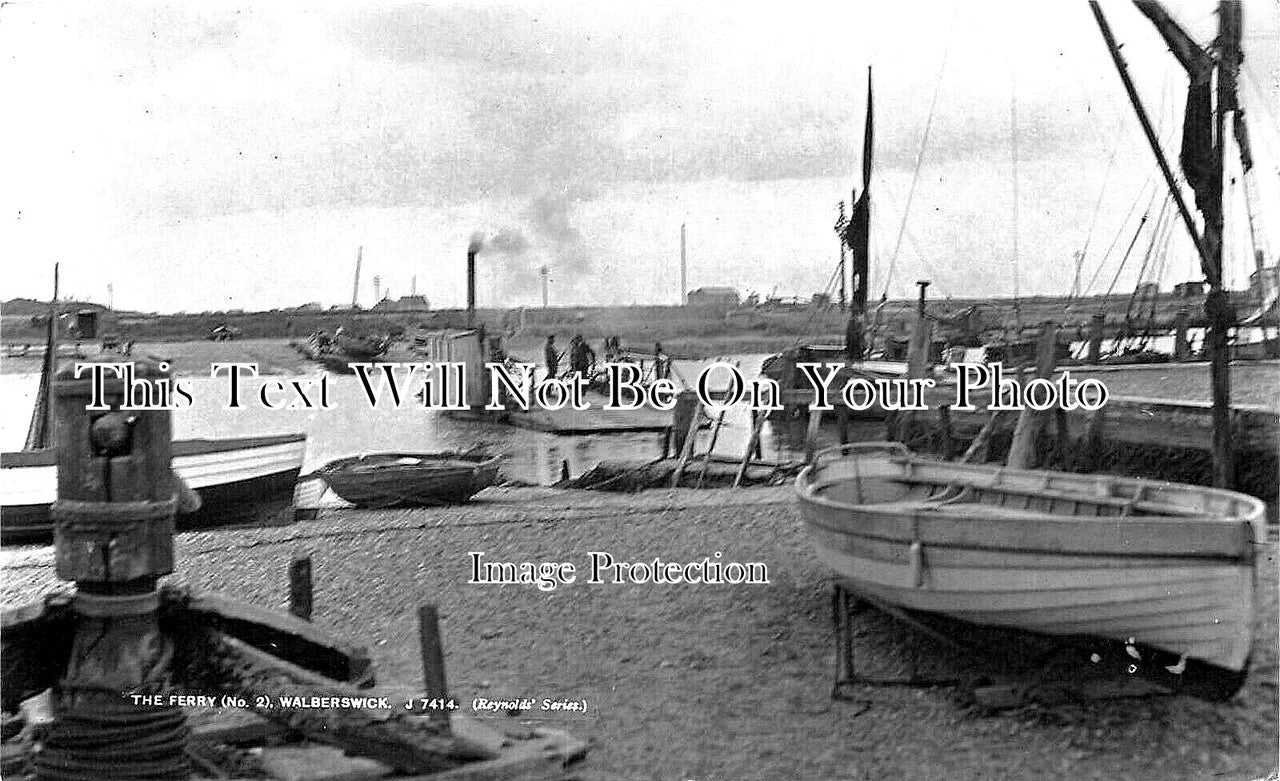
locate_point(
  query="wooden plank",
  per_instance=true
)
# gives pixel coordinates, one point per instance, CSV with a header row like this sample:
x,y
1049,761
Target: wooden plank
x,y
286,636
544,758
216,662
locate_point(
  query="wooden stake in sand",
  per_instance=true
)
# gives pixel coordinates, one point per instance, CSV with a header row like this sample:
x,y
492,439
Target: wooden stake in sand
x,y
301,596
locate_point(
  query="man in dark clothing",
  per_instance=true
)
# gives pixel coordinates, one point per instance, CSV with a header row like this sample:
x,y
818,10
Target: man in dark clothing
x,y
552,357
581,356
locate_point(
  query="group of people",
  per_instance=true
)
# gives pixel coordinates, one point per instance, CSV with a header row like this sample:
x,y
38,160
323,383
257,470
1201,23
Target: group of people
x,y
582,358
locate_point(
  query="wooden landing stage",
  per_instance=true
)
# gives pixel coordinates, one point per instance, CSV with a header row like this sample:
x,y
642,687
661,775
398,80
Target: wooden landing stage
x,y
571,422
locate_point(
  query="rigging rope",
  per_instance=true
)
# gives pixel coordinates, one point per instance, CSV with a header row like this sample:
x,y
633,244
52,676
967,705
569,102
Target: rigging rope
x,y
924,141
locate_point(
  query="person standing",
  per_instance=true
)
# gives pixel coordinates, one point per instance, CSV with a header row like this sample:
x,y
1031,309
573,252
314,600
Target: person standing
x,y
552,357
661,363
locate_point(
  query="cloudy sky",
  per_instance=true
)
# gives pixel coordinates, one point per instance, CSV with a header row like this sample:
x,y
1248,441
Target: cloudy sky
x,y
238,155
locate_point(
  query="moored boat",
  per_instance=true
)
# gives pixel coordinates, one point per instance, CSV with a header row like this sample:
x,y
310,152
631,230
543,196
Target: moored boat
x,y
410,479
241,480
1164,565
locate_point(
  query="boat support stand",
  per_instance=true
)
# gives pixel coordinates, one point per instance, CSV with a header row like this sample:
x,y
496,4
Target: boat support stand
x,y
845,605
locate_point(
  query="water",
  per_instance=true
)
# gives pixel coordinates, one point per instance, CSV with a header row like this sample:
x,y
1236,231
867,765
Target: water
x,y
352,426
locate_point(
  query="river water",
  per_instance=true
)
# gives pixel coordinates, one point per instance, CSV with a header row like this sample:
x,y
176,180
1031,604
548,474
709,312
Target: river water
x,y
352,426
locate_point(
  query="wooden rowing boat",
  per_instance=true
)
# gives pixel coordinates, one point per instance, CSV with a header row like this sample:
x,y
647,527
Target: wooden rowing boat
x,y
240,480
410,479
1164,565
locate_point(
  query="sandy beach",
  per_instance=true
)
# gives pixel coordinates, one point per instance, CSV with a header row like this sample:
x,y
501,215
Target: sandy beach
x,y
696,681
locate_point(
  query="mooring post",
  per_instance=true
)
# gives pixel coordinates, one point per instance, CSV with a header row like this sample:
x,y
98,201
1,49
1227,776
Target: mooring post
x,y
685,411
1031,422
301,596
113,537
432,649
1181,349
1096,326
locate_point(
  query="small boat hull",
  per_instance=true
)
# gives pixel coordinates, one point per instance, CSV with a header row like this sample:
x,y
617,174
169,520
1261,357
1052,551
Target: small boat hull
x,y
240,481
410,479
1163,565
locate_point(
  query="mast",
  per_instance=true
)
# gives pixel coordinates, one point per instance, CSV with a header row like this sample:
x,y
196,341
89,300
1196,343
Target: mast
x,y
1202,157
40,431
857,236
684,270
841,222
355,287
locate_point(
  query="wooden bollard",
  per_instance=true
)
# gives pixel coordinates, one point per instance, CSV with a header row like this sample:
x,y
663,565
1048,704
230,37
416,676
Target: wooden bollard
x,y
1181,348
1094,353
301,596
1030,421
432,649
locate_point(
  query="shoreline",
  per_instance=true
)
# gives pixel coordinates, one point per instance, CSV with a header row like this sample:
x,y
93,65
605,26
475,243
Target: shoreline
x,y
680,681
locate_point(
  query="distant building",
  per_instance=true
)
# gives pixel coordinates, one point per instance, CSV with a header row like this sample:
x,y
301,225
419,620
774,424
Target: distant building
x,y
724,298
1147,290
821,299
403,304
1189,289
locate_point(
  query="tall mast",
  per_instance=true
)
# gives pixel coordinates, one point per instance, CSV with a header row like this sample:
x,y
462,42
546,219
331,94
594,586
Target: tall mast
x,y
40,431
857,236
355,287
1202,156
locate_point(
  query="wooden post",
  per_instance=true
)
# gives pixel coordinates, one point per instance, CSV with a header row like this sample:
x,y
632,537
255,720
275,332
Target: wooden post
x,y
977,451
434,685
301,598
665,440
113,537
1094,354
1181,349
685,410
753,442
690,439
944,423
842,424
715,434
1031,422
811,435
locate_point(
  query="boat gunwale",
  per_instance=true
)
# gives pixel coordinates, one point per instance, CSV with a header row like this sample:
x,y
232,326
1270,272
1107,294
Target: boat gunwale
x,y
473,463
180,448
903,521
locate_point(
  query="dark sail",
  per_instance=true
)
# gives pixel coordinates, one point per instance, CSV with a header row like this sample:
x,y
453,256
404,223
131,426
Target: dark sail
x,y
857,236
1201,162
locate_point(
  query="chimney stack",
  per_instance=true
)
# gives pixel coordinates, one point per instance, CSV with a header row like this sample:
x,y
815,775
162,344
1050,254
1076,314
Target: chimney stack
x,y
471,282
684,281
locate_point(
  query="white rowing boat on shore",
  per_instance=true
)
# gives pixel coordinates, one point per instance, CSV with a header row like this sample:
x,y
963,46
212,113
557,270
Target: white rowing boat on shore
x,y
239,480
1165,565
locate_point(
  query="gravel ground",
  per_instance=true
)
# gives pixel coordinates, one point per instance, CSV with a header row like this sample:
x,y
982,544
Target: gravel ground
x,y
693,682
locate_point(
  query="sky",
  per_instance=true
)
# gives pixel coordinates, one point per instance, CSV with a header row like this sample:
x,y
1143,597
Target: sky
x,y
240,155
